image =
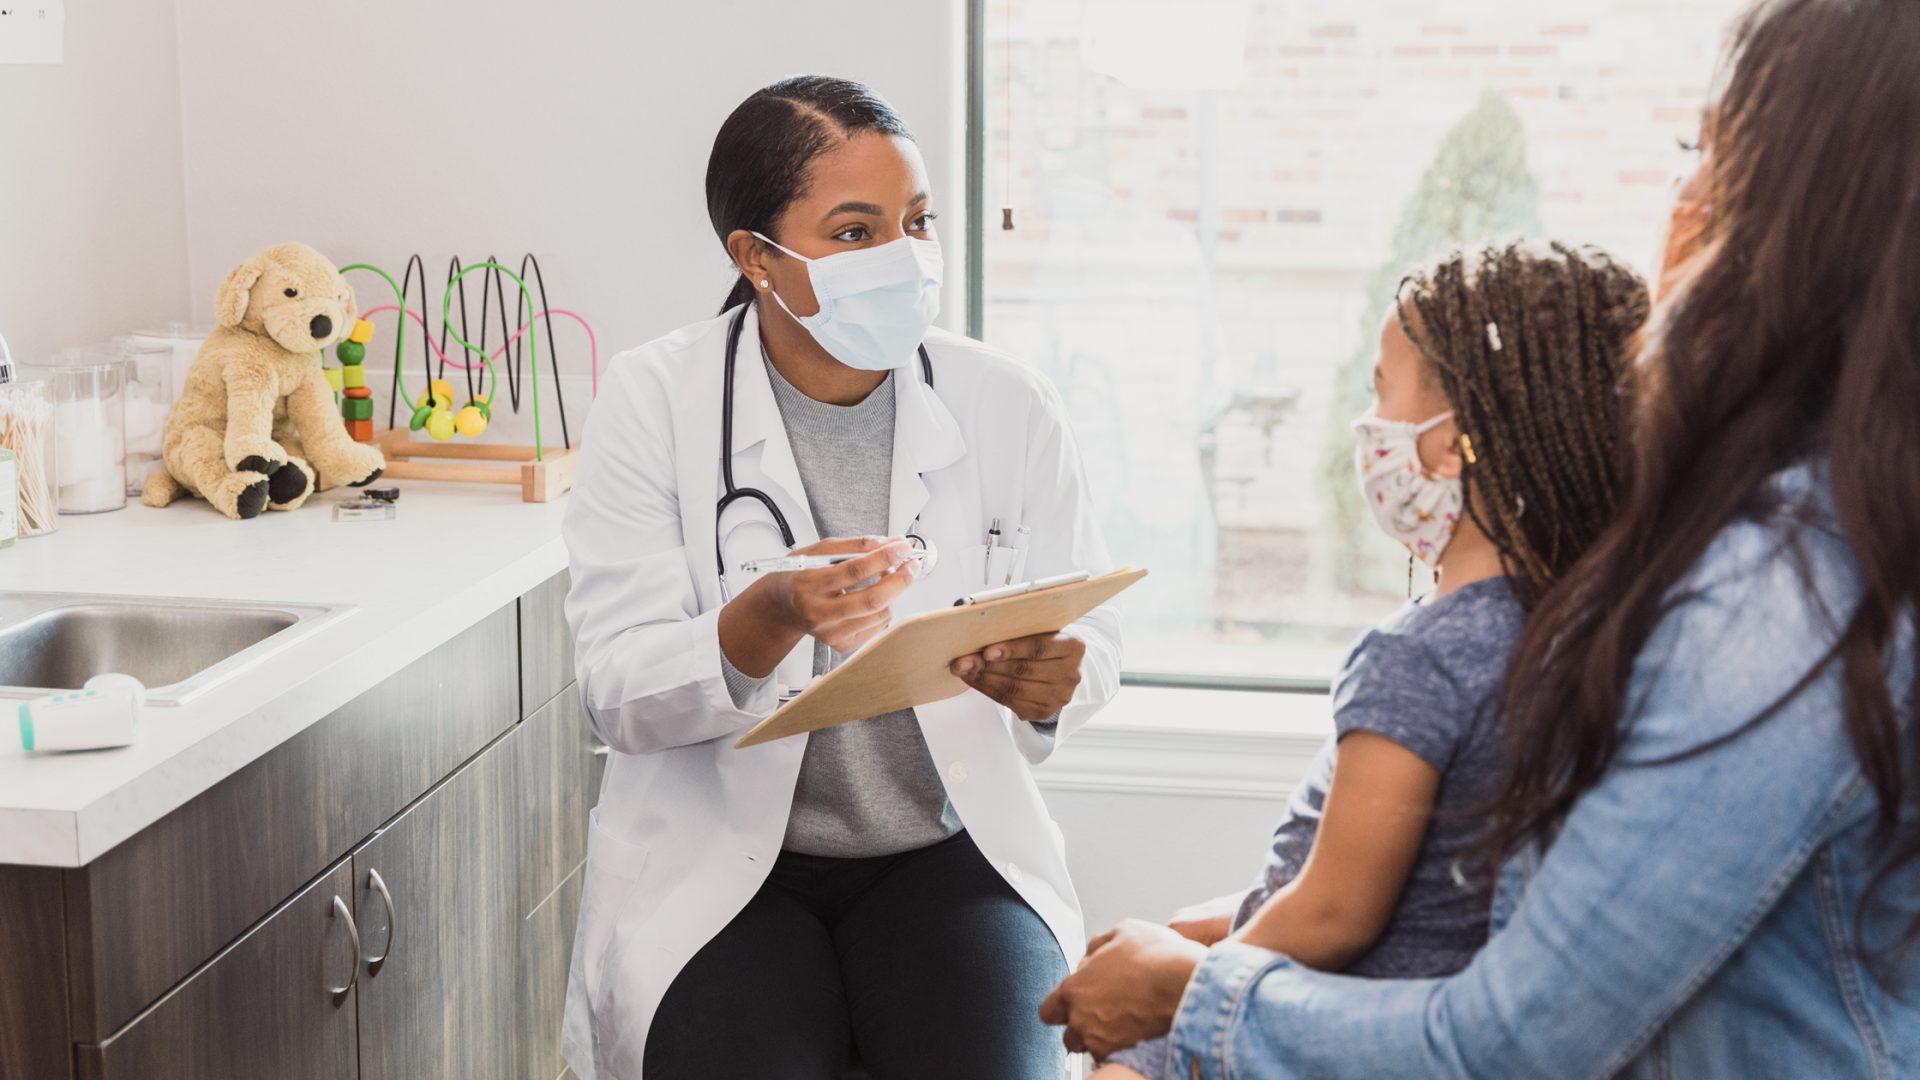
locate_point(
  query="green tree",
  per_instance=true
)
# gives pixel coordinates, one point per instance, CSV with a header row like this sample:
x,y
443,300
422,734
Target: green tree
x,y
1477,189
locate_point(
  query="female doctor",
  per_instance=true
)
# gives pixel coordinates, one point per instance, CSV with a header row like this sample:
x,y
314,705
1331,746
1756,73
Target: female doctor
x,y
890,890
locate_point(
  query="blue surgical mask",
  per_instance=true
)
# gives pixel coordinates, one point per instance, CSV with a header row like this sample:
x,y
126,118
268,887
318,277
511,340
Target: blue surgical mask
x,y
875,303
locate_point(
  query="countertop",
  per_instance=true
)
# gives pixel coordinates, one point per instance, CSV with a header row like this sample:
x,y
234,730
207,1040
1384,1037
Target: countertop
x,y
456,553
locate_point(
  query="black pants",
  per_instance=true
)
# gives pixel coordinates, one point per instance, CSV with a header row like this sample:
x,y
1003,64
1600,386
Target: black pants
x,y
921,966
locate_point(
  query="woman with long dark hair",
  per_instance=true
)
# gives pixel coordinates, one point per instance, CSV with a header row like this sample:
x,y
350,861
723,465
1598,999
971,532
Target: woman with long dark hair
x,y
1714,814
891,888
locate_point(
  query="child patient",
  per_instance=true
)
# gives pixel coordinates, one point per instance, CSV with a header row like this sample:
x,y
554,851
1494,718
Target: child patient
x,y
1492,454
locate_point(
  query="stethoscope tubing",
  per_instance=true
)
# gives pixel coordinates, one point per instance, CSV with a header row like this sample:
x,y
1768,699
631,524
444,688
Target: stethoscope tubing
x,y
734,493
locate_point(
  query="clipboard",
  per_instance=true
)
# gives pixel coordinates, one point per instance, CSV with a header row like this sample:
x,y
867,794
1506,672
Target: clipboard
x,y
907,665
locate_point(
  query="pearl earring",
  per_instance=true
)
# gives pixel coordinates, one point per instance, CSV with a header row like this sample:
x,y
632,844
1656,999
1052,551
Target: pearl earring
x,y
763,283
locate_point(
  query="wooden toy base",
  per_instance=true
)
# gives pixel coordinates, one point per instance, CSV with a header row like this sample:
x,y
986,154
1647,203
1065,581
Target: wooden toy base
x,y
473,463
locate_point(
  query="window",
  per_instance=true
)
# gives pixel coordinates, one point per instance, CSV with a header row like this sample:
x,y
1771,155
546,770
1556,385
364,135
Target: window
x,y
1213,201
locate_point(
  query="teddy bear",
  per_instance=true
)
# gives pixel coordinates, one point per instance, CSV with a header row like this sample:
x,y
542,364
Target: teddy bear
x,y
256,427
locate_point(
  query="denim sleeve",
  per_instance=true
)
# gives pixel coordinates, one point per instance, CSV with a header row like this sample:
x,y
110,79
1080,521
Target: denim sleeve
x,y
1655,879
1149,1058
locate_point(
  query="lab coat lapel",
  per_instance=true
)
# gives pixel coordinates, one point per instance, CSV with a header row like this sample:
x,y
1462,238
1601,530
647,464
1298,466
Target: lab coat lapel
x,y
760,435
926,438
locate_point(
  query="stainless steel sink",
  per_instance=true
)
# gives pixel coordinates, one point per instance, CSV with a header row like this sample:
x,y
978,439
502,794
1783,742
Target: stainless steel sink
x,y
178,648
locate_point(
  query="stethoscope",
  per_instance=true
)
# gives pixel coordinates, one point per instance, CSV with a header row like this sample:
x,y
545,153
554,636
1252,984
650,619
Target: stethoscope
x,y
734,493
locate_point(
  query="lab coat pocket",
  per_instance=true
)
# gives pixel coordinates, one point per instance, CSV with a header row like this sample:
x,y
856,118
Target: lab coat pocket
x,y
964,576
614,867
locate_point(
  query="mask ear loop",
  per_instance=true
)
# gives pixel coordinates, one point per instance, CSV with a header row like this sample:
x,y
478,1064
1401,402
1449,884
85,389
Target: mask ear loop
x,y
1467,452
767,285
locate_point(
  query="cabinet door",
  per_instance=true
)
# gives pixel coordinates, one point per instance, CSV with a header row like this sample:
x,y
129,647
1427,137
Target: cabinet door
x,y
266,1006
439,1002
546,644
146,914
553,752
546,949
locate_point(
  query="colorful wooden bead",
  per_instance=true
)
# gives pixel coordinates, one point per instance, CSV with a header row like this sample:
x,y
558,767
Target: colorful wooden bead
x,y
470,422
351,353
362,332
440,425
358,392
357,408
353,376
334,376
360,430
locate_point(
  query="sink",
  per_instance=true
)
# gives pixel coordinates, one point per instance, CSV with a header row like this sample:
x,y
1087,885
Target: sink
x,y
179,648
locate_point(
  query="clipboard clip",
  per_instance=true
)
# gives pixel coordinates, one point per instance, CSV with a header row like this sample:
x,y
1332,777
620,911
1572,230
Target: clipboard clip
x,y
1022,588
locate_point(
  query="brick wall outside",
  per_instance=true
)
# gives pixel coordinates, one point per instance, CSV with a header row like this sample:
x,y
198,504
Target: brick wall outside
x,y
1190,262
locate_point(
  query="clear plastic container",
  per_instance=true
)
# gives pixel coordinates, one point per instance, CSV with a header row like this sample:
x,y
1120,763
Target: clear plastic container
x,y
9,498
150,396
26,429
184,340
89,399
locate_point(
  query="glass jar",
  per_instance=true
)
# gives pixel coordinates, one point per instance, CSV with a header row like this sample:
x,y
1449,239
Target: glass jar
x,y
89,399
26,429
149,397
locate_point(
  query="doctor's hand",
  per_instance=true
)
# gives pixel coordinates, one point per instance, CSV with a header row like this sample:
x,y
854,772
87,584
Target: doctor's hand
x,y
1126,991
763,625
1034,676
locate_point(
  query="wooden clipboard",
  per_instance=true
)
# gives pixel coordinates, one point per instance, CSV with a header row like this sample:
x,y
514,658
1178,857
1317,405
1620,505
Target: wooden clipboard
x,y
906,666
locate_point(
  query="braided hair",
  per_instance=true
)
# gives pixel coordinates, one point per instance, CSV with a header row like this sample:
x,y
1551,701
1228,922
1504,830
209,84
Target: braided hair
x,y
1531,345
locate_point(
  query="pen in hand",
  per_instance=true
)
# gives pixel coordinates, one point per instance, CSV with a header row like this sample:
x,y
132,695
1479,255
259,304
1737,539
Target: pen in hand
x,y
781,564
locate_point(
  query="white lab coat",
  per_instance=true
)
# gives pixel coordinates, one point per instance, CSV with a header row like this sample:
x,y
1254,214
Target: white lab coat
x,y
687,827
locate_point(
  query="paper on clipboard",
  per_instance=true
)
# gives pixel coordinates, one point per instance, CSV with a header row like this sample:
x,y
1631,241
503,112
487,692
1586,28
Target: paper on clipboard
x,y
907,665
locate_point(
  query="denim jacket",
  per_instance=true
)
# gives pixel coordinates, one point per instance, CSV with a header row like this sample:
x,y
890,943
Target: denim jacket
x,y
1692,918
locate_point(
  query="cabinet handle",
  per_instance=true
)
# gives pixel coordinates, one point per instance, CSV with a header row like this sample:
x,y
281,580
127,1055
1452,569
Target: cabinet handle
x,y
377,884
353,932
602,750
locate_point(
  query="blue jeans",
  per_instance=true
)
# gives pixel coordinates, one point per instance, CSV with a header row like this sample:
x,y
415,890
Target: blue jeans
x,y
923,965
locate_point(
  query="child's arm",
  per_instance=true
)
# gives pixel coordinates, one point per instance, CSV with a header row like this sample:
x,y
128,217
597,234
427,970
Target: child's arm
x,y
1376,815
1209,921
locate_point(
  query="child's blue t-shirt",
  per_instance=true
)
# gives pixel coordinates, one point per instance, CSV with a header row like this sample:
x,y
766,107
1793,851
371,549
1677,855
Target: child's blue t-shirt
x,y
1428,678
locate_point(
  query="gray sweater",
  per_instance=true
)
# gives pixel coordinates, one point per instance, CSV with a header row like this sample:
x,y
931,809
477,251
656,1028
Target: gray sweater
x,y
869,787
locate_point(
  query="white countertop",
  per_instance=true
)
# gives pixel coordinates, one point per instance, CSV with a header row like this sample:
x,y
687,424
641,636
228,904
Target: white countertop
x,y
456,553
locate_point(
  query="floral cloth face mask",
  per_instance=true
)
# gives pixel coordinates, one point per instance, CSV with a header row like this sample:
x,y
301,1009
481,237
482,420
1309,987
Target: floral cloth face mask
x,y
1409,504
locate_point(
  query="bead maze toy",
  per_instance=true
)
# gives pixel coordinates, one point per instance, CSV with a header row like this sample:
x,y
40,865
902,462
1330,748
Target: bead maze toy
x,y
542,472
350,382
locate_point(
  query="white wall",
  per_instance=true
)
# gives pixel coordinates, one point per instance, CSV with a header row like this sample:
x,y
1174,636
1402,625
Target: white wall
x,y
1170,796
92,220
577,130
1142,854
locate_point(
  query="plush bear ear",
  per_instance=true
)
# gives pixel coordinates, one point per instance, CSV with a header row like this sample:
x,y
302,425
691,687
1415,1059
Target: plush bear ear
x,y
230,301
353,308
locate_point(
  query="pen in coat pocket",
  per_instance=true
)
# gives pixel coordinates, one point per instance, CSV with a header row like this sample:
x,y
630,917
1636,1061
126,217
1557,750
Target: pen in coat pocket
x,y
1017,565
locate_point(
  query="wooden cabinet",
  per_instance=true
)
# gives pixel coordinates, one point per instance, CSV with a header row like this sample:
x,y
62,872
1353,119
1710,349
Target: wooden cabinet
x,y
203,947
556,764
33,976
554,753
546,643
265,1006
145,914
442,1002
